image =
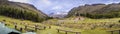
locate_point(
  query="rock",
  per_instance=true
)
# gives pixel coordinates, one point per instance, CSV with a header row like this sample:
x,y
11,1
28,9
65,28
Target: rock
x,y
13,33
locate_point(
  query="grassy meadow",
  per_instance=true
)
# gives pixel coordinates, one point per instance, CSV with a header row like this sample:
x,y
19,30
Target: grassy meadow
x,y
101,26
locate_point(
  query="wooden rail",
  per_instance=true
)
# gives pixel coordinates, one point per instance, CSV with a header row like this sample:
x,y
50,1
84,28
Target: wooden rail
x,y
26,27
35,28
112,31
66,31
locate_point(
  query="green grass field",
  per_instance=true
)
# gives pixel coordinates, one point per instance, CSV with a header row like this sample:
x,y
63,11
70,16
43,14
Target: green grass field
x,y
67,25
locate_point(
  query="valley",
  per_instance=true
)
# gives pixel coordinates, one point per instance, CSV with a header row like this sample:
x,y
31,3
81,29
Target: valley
x,y
66,25
84,19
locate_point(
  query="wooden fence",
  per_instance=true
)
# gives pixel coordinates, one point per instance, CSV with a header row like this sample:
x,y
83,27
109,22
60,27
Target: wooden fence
x,y
66,31
112,31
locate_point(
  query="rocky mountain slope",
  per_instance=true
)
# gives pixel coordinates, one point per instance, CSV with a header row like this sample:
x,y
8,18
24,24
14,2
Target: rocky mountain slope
x,y
96,11
21,11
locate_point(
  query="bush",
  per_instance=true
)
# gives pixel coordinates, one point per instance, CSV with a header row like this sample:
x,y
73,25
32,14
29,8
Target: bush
x,y
112,14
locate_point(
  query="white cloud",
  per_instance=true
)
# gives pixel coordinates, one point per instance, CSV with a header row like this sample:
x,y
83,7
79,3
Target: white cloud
x,y
57,7
23,1
61,13
47,2
42,2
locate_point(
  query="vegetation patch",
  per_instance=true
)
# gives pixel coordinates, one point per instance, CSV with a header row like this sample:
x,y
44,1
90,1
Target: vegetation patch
x,y
19,13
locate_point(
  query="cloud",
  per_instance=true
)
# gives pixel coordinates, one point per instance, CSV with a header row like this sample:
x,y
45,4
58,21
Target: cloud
x,y
61,13
60,6
57,8
41,2
113,1
47,2
23,1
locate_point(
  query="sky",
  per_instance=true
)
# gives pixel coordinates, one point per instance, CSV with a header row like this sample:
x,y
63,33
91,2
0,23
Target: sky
x,y
61,6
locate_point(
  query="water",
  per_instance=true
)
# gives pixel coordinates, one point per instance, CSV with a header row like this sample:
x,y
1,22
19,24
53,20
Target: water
x,y
6,30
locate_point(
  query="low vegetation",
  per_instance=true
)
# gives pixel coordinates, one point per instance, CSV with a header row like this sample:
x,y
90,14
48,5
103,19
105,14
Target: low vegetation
x,y
112,14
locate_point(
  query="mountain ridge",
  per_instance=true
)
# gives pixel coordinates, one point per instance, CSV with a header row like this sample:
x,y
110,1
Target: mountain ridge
x,y
95,10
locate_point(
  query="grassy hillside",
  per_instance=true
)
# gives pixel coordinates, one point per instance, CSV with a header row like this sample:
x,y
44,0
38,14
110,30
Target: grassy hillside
x,y
96,11
21,11
87,26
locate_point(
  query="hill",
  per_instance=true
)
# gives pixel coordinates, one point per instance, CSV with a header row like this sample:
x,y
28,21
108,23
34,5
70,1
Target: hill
x,y
21,11
96,11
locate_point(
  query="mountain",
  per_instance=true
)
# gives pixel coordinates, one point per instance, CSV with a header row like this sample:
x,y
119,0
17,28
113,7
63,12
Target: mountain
x,y
54,15
58,15
96,11
21,11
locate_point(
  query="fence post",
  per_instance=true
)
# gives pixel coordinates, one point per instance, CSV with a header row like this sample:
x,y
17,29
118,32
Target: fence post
x,y
77,32
5,24
21,29
119,31
49,27
112,32
15,26
25,27
58,30
65,32
35,28
44,27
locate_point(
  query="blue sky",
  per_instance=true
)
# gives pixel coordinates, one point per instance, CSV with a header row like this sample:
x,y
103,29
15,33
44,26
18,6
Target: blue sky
x,y
61,6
